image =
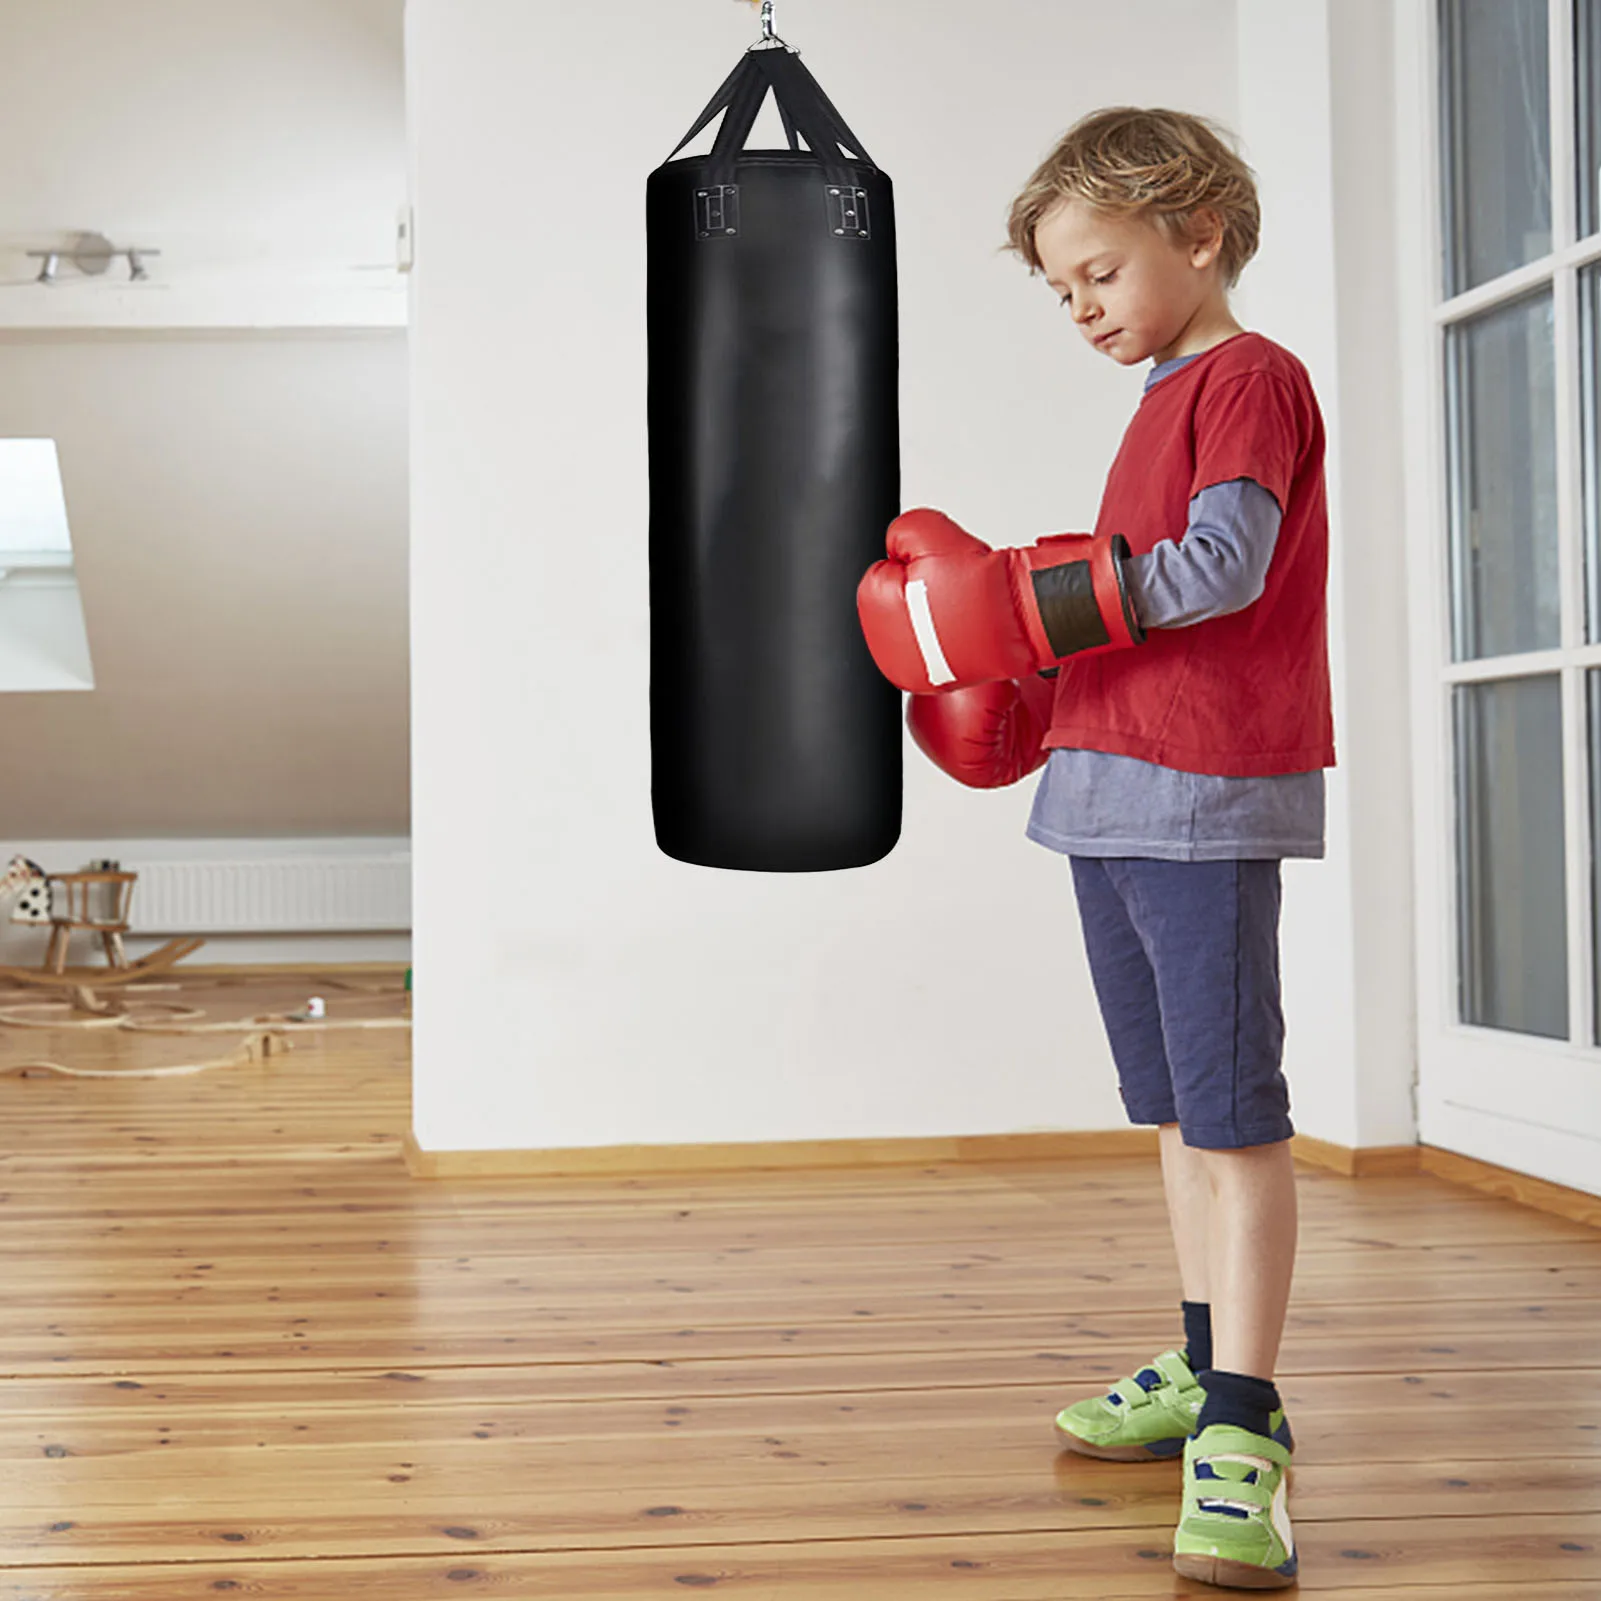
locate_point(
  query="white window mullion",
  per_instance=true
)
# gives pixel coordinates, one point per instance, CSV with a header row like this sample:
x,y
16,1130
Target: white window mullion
x,y
1564,207
1531,664
1581,967
1570,554
1517,281
1509,286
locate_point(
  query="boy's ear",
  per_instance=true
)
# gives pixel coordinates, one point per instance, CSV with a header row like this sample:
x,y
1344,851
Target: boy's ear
x,y
1205,235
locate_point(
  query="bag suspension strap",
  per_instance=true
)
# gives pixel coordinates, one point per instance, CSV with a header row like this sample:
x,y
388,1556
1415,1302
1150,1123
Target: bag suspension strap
x,y
805,109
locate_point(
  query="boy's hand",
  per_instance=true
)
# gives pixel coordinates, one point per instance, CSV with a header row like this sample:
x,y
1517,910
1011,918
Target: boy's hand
x,y
985,735
945,609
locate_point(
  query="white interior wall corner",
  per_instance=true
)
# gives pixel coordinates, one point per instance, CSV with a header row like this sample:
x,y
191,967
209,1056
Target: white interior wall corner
x,y
1362,55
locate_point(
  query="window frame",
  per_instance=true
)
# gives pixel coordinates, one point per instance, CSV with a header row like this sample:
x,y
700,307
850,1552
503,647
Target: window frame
x,y
1519,1100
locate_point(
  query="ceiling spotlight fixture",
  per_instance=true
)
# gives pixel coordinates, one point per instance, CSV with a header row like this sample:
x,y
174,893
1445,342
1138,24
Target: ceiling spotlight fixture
x,y
92,254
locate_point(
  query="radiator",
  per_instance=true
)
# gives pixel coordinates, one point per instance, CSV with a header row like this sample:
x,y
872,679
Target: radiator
x,y
290,894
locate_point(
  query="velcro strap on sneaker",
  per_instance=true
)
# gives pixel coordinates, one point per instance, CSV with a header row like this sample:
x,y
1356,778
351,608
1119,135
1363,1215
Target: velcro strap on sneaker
x,y
1174,1369
1224,1442
1130,1392
1221,1507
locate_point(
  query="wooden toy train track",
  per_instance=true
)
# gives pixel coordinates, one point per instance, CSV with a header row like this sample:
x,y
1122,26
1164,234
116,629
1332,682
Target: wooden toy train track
x,y
73,978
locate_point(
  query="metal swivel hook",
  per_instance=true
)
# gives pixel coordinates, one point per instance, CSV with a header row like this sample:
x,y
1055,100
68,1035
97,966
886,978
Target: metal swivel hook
x,y
769,38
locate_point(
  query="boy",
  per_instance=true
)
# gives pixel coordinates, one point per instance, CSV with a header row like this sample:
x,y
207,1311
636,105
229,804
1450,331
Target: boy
x,y
1184,742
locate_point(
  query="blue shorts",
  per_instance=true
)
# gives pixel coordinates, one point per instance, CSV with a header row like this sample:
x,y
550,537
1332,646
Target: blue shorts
x,y
1185,960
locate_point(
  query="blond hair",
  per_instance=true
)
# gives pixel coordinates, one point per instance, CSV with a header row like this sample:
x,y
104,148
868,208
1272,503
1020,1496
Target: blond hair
x,y
1162,166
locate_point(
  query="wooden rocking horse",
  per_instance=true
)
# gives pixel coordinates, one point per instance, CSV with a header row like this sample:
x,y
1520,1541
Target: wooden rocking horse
x,y
34,889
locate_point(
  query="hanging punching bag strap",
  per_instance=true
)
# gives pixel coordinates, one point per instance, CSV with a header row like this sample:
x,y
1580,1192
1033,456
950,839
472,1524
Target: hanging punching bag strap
x,y
805,109
846,213
735,128
789,126
803,87
725,93
713,106
760,71
795,89
800,99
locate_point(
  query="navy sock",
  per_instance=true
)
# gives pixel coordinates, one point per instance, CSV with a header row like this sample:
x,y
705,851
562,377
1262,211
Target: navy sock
x,y
1237,1398
1197,1334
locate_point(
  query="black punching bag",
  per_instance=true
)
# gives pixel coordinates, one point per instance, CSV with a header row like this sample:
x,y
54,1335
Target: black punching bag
x,y
774,475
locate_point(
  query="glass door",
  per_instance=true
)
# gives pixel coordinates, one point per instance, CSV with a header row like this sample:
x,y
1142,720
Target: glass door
x,y
1509,707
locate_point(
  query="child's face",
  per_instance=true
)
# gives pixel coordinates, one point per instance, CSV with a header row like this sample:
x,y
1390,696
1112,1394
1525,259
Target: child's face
x,y
1132,293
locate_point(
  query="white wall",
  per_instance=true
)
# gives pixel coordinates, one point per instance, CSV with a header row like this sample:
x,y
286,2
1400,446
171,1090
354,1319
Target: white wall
x,y
237,492
1374,534
239,522
576,987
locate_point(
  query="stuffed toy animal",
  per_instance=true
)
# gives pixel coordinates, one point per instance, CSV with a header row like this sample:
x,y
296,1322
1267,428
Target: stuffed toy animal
x,y
27,881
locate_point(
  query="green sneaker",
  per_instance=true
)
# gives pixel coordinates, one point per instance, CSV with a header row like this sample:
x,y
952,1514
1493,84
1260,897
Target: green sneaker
x,y
1146,1417
1234,1528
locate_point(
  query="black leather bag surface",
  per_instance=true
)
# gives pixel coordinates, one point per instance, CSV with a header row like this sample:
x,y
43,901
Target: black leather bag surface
x,y
774,474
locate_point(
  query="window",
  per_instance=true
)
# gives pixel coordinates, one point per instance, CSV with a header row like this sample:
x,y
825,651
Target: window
x,y
1517,294
43,642
1498,113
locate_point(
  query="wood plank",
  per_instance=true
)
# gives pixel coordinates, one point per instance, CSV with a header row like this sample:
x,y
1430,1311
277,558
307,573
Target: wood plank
x,y
461,1436
1502,1557
460,1324
1474,1335
894,1384
558,1263
535,1514
124,1203
727,1297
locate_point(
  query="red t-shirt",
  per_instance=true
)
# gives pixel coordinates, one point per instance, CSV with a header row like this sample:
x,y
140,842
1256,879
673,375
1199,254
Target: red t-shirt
x,y
1244,695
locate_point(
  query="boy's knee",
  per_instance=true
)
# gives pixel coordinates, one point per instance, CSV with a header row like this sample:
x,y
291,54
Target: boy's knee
x,y
1251,1175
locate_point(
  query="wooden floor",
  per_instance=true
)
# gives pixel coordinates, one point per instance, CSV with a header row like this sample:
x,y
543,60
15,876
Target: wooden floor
x,y
242,1351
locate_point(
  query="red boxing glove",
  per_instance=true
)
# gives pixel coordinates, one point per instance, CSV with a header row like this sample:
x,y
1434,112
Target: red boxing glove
x,y
985,735
945,608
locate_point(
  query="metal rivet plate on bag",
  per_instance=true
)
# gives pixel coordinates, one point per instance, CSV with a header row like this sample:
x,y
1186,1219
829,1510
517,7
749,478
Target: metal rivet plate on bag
x,y
847,212
717,210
